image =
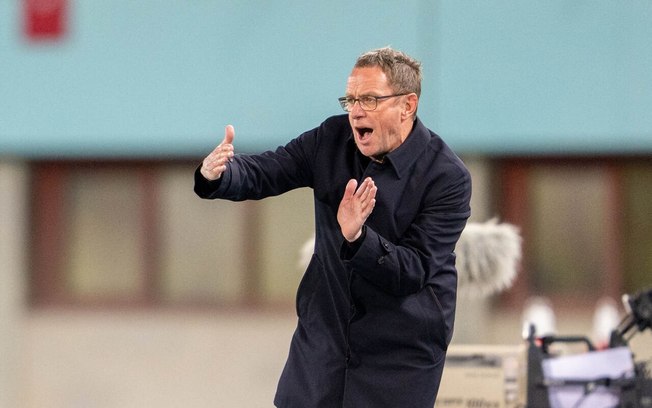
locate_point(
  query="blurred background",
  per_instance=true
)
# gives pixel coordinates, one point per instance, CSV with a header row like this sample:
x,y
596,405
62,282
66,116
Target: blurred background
x,y
120,288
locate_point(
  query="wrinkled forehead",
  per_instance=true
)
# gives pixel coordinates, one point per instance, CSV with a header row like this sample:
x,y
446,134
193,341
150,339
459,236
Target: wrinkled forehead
x,y
367,81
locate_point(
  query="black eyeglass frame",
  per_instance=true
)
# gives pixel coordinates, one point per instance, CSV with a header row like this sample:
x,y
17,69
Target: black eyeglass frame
x,y
347,103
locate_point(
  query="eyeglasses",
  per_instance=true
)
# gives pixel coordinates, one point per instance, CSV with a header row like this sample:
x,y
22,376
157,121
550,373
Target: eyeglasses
x,y
367,102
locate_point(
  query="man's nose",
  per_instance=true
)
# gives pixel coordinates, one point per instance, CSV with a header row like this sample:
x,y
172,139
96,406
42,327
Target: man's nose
x,y
356,110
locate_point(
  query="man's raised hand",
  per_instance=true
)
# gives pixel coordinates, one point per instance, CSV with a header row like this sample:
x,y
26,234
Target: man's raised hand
x,y
215,163
355,207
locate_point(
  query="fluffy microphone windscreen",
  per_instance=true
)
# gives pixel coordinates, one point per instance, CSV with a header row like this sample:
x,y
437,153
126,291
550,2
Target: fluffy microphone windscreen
x,y
488,254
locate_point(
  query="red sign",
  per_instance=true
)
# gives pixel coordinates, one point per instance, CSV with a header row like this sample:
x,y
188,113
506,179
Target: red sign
x,y
45,19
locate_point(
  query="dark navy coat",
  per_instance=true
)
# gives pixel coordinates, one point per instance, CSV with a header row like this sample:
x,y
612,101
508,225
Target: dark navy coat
x,y
375,319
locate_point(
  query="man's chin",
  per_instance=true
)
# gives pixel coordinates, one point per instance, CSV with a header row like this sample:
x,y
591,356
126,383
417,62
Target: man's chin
x,y
367,152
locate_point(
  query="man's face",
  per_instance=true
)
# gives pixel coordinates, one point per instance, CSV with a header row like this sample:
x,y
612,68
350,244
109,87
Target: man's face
x,y
382,130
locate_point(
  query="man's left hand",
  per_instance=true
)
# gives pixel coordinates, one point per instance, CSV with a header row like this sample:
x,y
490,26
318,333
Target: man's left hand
x,y
355,207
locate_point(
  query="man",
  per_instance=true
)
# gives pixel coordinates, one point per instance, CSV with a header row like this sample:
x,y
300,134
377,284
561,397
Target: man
x,y
377,302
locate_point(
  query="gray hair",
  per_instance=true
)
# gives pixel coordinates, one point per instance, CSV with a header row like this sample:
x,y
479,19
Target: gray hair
x,y
403,72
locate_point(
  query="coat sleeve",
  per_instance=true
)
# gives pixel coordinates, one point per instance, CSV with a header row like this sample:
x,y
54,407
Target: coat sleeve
x,y
256,176
425,253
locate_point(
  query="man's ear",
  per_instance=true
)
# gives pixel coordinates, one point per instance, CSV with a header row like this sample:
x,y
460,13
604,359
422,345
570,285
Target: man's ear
x,y
411,104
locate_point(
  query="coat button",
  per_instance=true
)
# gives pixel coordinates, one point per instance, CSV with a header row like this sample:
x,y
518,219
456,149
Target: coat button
x,y
381,260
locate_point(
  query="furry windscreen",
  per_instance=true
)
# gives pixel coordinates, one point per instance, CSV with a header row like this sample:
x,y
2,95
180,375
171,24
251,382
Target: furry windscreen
x,y
487,257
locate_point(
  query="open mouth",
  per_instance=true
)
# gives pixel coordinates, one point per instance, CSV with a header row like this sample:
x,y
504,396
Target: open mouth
x,y
364,133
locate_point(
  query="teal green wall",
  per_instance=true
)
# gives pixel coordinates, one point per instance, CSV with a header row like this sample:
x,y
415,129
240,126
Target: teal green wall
x,y
546,76
163,77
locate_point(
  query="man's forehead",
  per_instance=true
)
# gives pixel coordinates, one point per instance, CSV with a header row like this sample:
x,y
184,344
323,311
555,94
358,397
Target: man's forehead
x,y
366,79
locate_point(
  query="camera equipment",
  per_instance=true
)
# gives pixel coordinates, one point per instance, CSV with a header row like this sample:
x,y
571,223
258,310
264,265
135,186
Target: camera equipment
x,y
639,318
635,392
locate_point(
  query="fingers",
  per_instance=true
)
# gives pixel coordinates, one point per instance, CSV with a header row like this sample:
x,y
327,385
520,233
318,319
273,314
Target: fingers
x,y
215,163
357,204
349,190
366,194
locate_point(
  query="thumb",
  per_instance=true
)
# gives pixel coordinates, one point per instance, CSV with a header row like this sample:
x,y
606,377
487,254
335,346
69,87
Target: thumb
x,y
350,189
229,134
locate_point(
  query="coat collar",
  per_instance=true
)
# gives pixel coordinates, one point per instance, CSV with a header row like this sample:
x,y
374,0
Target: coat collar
x,y
403,157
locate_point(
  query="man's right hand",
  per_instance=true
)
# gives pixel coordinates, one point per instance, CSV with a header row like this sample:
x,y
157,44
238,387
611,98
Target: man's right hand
x,y
215,163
